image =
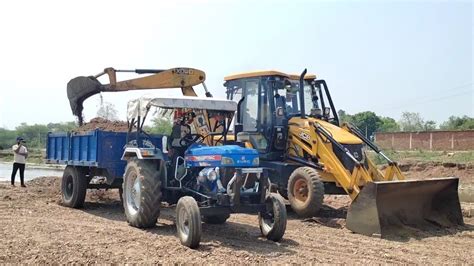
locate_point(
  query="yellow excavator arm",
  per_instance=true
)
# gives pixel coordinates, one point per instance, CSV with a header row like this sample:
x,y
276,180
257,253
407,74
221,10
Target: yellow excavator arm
x,y
81,88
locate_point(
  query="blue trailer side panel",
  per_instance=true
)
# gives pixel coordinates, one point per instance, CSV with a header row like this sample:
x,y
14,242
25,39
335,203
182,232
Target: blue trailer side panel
x,y
109,152
99,149
84,149
57,148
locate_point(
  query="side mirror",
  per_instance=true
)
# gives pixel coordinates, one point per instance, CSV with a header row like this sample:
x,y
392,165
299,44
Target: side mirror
x,y
280,112
327,111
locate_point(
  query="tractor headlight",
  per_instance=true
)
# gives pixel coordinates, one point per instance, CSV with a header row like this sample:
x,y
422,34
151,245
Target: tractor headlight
x,y
227,161
212,175
209,173
256,161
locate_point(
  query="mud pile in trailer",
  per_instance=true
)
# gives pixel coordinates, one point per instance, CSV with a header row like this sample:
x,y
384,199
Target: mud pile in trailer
x,y
103,124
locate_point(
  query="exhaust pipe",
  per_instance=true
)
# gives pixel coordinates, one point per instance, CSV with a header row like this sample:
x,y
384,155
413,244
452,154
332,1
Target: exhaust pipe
x,y
387,207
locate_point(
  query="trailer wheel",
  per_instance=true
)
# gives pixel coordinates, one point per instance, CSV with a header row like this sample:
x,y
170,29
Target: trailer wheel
x,y
142,192
273,221
188,222
305,191
216,219
73,187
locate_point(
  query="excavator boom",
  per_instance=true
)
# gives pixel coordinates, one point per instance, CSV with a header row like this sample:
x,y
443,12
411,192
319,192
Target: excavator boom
x,y
81,88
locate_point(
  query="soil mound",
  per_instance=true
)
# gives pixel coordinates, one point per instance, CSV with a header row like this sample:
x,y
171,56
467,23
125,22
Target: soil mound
x,y
103,124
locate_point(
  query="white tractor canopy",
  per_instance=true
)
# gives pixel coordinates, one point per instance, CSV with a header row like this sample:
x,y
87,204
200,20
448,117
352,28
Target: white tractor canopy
x,y
141,106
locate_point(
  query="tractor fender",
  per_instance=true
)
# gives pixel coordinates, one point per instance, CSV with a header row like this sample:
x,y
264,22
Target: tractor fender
x,y
142,153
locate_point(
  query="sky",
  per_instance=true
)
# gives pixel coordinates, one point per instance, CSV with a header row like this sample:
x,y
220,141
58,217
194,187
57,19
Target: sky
x,y
382,56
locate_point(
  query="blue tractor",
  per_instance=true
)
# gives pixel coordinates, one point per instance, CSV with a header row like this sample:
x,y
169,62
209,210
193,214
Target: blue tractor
x,y
206,182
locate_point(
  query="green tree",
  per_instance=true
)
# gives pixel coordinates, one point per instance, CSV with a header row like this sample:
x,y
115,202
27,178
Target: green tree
x,y
429,125
368,122
458,123
344,117
107,111
160,125
35,134
411,122
388,124
7,138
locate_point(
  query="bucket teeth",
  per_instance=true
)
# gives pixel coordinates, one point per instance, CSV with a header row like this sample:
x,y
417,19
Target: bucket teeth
x,y
384,208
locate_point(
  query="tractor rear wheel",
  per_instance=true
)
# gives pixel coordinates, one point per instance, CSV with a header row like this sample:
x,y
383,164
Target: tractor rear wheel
x,y
188,222
273,221
142,192
73,187
305,191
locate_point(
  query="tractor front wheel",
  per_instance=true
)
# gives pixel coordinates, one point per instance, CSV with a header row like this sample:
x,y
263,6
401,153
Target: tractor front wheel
x,y
305,191
188,222
273,220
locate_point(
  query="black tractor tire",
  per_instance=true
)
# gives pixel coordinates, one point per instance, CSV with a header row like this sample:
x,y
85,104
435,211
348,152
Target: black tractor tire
x,y
188,222
73,187
273,222
142,192
216,219
305,191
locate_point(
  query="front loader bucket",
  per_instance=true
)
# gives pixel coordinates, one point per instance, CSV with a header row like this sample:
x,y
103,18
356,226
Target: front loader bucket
x,y
387,207
78,90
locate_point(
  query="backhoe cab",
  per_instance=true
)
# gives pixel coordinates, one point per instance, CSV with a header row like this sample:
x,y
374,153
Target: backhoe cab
x,y
291,120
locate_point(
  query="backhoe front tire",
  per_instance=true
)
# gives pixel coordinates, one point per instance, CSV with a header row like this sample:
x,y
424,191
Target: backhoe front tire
x,y
142,192
73,187
305,191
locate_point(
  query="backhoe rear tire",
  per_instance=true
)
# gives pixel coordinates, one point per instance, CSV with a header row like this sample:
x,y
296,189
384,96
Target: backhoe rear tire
x,y
142,192
305,191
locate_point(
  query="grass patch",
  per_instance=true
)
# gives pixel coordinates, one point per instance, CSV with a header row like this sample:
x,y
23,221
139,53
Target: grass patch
x,y
35,156
424,156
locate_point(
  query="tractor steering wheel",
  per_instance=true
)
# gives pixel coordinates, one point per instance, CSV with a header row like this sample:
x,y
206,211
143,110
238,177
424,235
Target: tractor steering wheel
x,y
190,139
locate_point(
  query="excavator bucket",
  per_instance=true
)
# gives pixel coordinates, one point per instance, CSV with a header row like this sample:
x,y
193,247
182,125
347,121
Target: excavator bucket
x,y
389,208
78,90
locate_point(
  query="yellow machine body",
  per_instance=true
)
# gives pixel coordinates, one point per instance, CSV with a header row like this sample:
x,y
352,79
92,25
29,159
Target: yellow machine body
x,y
382,201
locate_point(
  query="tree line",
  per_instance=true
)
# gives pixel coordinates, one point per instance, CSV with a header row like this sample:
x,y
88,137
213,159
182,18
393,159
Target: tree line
x,y
368,122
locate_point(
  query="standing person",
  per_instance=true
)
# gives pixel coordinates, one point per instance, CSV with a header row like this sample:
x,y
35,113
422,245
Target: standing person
x,y
20,153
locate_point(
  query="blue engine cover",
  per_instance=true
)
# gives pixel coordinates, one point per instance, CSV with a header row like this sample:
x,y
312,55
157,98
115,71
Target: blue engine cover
x,y
222,156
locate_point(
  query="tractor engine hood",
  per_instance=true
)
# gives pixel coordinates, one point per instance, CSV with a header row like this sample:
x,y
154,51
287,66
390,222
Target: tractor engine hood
x,y
221,156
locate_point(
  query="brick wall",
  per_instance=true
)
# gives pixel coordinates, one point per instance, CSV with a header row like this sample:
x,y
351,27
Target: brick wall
x,y
431,140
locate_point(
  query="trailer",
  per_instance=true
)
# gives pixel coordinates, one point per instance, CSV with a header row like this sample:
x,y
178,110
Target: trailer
x,y
93,160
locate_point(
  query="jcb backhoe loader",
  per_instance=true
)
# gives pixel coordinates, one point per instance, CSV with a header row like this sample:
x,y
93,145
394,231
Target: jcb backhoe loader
x,y
81,88
291,120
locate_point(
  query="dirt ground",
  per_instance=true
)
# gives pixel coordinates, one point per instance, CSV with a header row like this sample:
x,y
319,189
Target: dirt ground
x,y
36,229
420,170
